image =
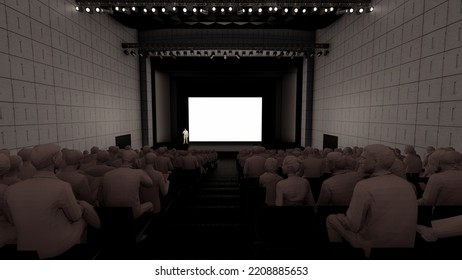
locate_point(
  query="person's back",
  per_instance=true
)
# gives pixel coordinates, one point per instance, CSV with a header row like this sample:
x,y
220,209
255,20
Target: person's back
x,y
383,212
46,215
294,191
27,170
121,186
269,179
312,167
443,186
190,162
160,185
254,166
78,181
338,189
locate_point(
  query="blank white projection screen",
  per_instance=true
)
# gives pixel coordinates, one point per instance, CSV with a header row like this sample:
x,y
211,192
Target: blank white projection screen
x,y
225,119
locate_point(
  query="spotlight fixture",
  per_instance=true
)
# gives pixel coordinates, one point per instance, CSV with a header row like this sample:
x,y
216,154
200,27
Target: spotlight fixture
x,y
133,53
314,10
126,10
319,53
214,9
133,9
213,55
331,9
250,10
222,11
230,9
164,10
145,11
275,9
224,55
185,10
350,10
295,11
326,52
88,10
236,53
116,8
260,11
174,9
204,11
360,11
285,11
154,10
304,11
78,9
126,52
241,11
369,9
270,9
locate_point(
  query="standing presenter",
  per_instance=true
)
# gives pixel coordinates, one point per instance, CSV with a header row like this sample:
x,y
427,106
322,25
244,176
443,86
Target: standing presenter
x,y
185,136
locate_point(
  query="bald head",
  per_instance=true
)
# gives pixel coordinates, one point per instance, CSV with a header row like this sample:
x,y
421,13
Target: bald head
x,y
45,155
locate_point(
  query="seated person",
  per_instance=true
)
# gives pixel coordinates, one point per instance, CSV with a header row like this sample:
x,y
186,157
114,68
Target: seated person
x,y
442,228
254,166
78,181
162,162
269,179
121,186
443,186
160,184
47,217
11,177
383,210
293,191
27,170
7,230
338,189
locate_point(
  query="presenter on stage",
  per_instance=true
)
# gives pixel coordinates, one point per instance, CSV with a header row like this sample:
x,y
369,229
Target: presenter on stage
x,y
185,136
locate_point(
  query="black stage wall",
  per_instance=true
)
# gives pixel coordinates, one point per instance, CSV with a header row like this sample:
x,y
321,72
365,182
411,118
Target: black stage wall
x,y
245,77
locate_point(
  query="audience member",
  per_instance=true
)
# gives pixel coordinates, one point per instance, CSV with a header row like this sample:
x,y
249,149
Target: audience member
x,y
269,179
383,208
27,170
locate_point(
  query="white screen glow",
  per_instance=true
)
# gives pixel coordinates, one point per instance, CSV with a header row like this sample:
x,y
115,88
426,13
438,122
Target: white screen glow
x,y
225,119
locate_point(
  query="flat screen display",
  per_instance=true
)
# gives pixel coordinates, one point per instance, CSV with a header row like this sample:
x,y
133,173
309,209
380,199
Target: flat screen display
x,y
225,119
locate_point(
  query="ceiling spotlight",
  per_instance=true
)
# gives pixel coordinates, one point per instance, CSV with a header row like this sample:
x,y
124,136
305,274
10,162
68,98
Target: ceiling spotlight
x,y
294,11
369,9
304,11
222,10
224,55
133,53
174,9
153,9
240,11
230,9
326,52
250,10
126,10
134,9
126,52
319,53
285,11
331,9
360,11
326,10
88,10
145,11
213,55
236,53
350,10
164,10
204,11
78,8
260,11
275,9
98,10
315,9
117,9
185,10
270,9
214,9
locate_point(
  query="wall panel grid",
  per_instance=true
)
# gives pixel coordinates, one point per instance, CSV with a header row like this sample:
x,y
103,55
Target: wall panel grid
x,y
404,61
58,70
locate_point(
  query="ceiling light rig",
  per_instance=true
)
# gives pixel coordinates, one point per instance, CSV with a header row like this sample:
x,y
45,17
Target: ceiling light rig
x,y
285,7
226,53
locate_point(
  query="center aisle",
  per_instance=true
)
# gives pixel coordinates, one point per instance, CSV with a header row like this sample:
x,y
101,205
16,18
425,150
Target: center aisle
x,y
206,221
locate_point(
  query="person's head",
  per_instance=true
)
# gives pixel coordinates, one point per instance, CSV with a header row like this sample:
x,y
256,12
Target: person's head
x,y
130,158
94,150
15,163
336,161
102,156
4,164
375,158
24,153
271,165
113,150
290,165
430,149
442,160
46,156
150,158
408,149
73,157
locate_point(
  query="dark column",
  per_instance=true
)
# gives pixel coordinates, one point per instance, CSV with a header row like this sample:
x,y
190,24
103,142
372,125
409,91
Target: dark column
x,y
144,101
309,101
